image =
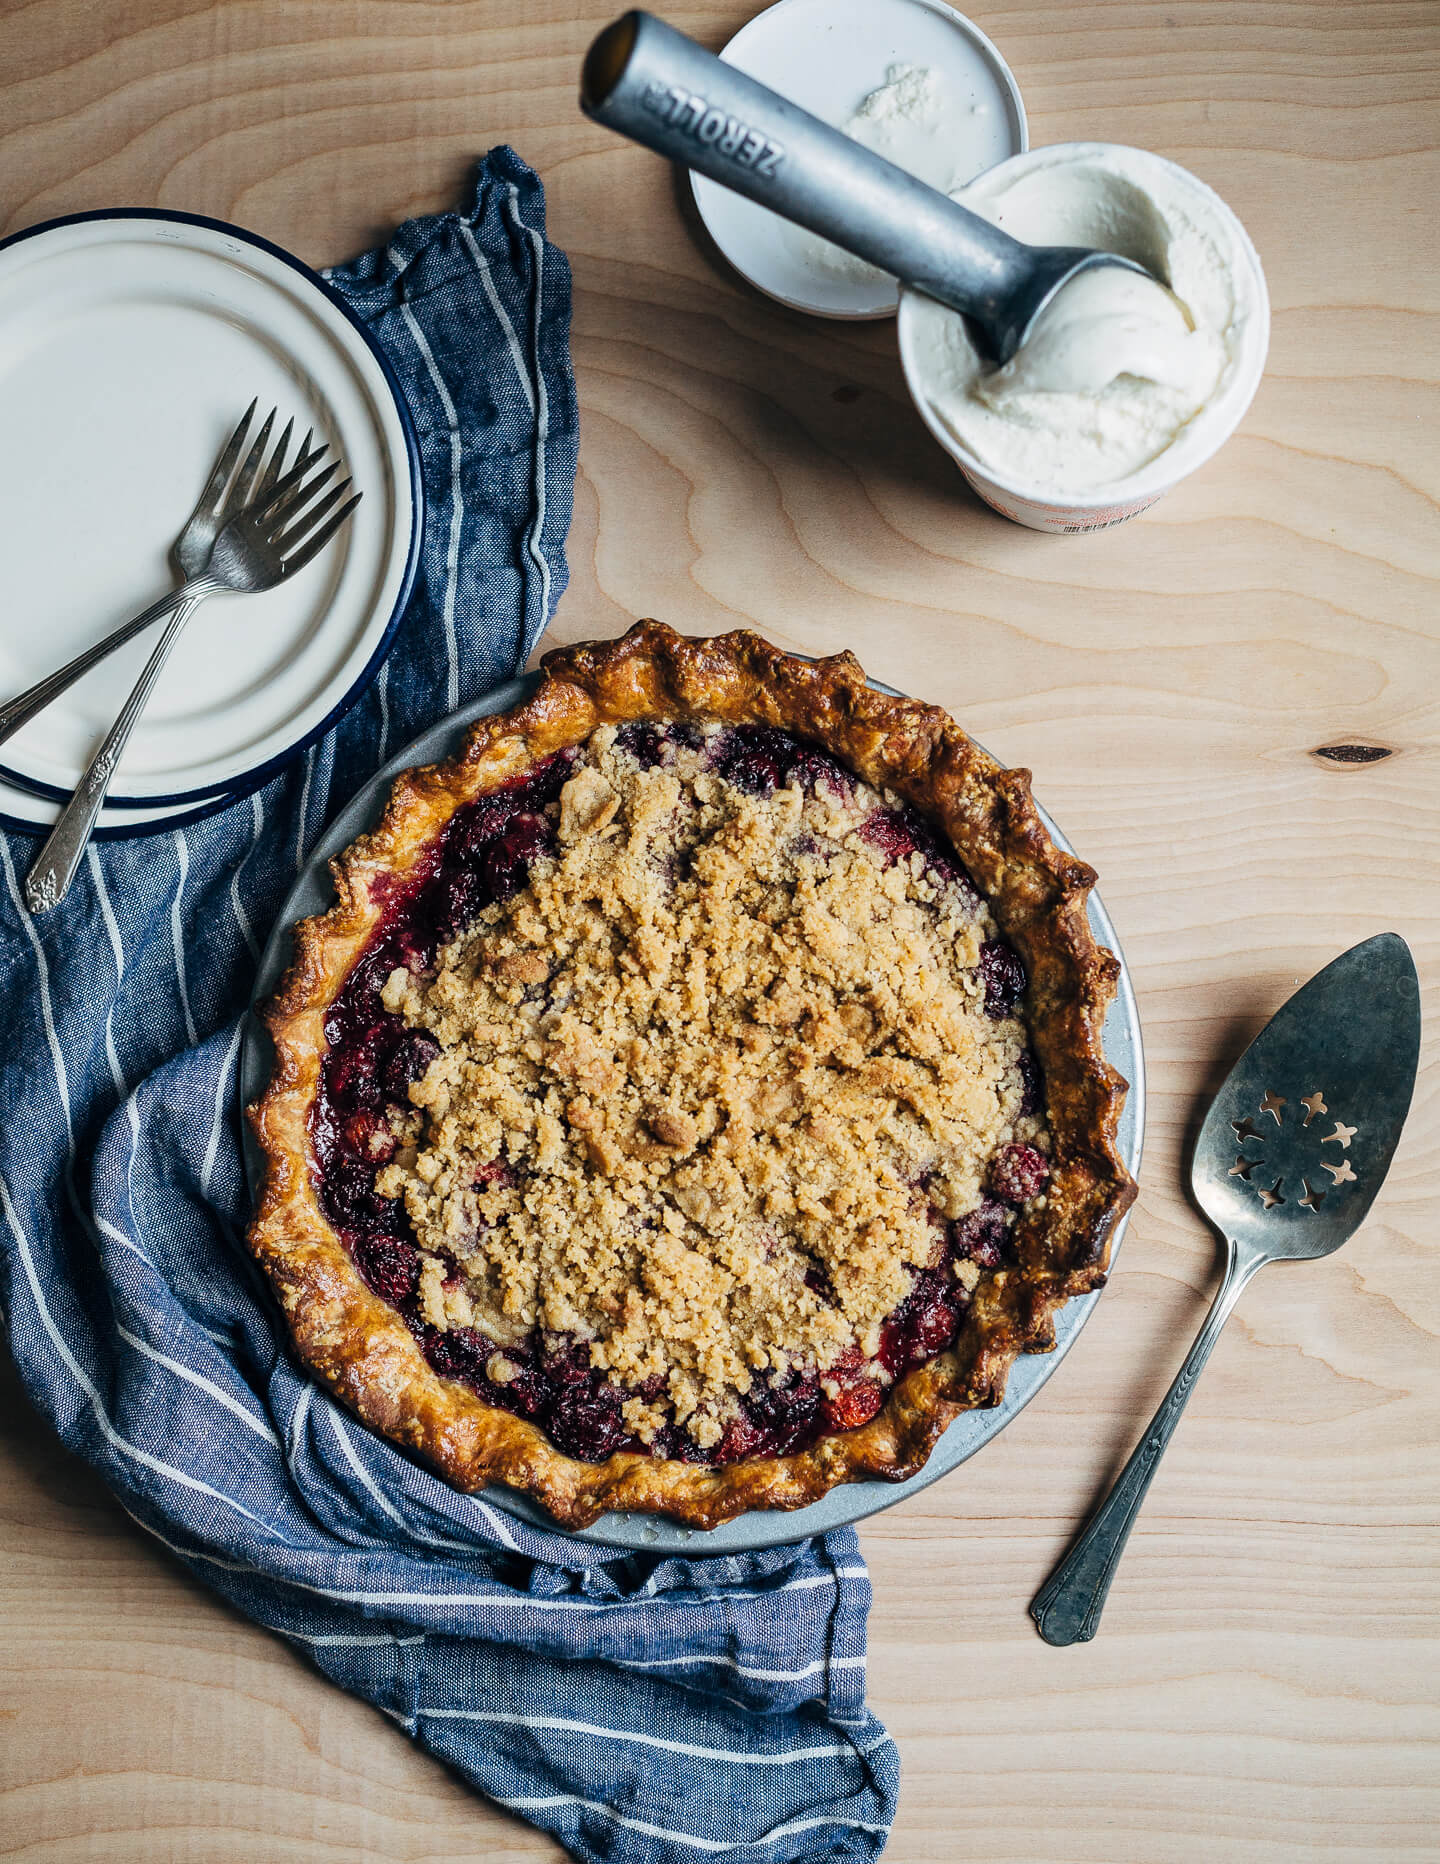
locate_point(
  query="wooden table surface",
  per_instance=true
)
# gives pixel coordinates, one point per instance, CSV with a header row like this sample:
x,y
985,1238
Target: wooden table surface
x,y
1266,1684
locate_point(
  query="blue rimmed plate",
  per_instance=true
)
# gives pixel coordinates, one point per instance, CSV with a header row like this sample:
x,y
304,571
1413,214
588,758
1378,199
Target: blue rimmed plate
x,y
130,343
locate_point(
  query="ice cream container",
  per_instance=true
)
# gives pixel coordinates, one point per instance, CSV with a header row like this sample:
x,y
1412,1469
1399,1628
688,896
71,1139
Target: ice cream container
x,y
1131,202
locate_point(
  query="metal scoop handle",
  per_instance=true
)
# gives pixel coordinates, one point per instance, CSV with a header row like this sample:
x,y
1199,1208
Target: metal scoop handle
x,y
655,85
649,82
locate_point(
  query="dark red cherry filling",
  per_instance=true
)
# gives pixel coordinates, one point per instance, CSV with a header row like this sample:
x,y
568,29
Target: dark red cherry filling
x,y
924,1323
1018,1173
650,744
1004,977
856,1398
371,1057
980,1236
1030,1089
391,1267
483,856
761,760
896,834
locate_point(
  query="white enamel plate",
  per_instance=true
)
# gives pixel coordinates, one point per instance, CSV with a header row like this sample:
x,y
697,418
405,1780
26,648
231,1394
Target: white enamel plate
x,y
37,815
130,344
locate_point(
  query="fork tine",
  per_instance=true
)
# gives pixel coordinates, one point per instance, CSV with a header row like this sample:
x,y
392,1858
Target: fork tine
x,y
276,462
308,453
317,543
300,526
245,478
304,459
215,485
291,479
288,508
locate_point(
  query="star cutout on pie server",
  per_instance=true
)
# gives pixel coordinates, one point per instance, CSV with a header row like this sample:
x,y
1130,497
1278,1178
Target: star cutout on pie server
x,y
1341,1173
1272,1103
1272,1197
1313,1104
1312,1199
1343,1133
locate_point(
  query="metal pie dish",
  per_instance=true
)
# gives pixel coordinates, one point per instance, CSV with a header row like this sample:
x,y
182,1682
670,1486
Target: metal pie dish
x,y
313,892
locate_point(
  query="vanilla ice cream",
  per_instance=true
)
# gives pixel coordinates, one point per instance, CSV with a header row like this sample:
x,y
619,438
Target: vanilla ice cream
x,y
915,121
1118,379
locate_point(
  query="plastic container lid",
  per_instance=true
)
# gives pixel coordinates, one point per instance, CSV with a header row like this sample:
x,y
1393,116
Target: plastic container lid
x,y
829,56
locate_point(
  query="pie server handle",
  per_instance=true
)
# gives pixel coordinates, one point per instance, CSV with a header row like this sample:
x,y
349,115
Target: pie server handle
x,y
1067,1607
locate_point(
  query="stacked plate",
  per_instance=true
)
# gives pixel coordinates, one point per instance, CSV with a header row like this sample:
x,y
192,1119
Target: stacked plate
x,y
130,345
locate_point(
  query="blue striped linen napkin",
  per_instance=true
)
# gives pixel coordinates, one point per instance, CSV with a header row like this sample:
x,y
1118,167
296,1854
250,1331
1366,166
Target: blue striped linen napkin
x,y
637,1709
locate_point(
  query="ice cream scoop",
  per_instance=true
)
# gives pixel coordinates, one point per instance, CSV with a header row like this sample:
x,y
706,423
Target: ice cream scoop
x,y
1123,387
647,81
1105,324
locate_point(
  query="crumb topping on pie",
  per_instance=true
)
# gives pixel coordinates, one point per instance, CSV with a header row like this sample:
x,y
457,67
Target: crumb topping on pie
x,y
695,1097
709,1089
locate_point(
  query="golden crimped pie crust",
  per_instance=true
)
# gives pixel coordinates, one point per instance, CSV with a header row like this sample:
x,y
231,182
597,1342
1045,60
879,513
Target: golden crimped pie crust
x,y
361,1346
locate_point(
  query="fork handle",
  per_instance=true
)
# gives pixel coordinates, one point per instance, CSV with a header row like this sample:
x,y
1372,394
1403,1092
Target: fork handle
x,y
1067,1607
35,698
49,879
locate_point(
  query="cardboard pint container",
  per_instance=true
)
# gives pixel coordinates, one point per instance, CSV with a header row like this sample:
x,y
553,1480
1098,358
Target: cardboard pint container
x,y
1049,507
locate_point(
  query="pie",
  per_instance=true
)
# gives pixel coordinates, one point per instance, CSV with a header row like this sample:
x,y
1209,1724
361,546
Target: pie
x,y
695,1096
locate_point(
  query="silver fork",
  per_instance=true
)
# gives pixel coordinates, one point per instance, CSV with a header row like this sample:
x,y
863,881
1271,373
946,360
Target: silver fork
x,y
190,554
271,526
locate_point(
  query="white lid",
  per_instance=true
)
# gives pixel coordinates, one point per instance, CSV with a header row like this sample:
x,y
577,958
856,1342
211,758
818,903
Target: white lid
x,y
828,56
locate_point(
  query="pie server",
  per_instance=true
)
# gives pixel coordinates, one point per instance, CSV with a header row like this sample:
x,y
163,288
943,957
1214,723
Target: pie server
x,y
647,81
1291,1155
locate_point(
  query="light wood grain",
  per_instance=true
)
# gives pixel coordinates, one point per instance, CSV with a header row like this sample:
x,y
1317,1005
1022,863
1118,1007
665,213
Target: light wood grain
x,y
1266,1685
